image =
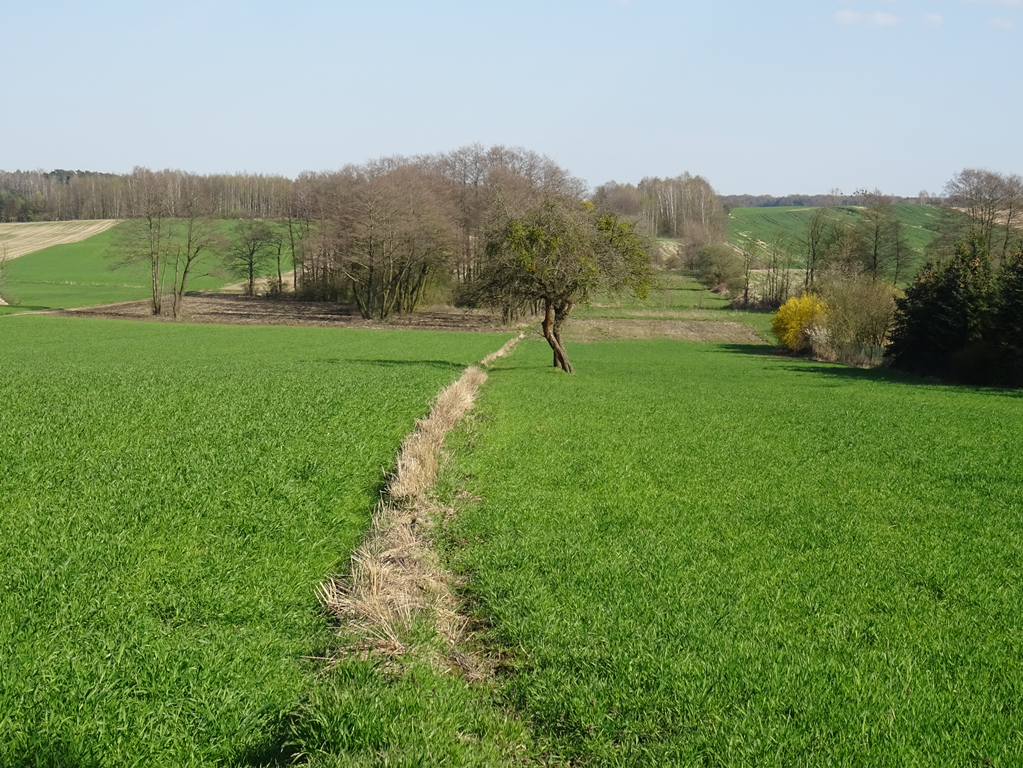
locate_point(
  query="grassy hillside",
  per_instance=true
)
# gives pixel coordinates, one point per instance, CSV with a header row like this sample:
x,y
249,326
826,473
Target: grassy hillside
x,y
703,555
787,224
80,274
170,497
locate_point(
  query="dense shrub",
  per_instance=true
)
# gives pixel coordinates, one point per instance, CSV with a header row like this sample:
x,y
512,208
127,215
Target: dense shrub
x,y
861,311
800,321
719,265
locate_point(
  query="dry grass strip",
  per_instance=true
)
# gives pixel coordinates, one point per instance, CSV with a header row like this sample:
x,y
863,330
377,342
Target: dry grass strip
x,y
396,578
503,351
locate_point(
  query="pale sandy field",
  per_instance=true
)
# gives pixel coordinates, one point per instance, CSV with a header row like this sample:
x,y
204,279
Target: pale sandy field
x,y
19,239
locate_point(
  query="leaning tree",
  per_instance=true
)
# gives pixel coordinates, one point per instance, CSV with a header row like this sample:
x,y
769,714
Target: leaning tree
x,y
556,255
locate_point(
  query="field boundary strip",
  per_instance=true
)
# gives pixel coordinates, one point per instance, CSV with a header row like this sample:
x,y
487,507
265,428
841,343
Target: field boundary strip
x,y
27,237
396,577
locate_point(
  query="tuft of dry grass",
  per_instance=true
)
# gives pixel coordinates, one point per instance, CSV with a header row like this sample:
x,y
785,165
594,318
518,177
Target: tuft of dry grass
x,y
396,577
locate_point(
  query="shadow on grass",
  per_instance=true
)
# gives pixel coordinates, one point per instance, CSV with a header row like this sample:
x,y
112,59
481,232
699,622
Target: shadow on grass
x,y
760,350
888,376
57,755
272,752
847,373
445,364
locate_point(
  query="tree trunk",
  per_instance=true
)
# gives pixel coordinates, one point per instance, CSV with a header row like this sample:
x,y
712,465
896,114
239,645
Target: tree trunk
x,y
560,356
157,286
561,312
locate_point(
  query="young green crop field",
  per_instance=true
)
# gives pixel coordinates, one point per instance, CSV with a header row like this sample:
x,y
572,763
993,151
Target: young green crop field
x,y
78,275
786,224
696,554
170,497
684,554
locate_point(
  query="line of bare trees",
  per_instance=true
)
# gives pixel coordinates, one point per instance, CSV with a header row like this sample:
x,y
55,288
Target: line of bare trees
x,y
377,234
685,208
984,203
381,235
170,230
874,244
62,195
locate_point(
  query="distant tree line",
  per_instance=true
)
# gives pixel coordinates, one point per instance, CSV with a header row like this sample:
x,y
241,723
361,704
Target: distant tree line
x,y
831,199
685,209
379,235
495,227
62,195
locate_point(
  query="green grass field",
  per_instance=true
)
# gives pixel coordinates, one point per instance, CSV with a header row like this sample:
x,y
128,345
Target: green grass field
x,y
674,296
708,555
684,554
171,495
788,224
79,275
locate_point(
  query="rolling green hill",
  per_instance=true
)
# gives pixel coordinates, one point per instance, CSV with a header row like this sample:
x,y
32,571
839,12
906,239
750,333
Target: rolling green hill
x,y
786,225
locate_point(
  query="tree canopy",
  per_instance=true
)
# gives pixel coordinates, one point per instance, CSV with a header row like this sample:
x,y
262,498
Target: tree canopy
x,y
555,255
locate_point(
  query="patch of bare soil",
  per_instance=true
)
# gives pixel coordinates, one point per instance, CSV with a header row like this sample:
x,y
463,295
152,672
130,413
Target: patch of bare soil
x,y
602,329
232,309
246,310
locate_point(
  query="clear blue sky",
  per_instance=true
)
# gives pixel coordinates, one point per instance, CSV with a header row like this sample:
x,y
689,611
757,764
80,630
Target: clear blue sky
x,y
758,96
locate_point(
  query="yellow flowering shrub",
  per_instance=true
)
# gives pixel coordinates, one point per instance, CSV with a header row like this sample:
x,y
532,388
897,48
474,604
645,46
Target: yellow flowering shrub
x,y
797,318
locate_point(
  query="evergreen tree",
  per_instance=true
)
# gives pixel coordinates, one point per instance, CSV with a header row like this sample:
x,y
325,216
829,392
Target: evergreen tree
x,y
1007,327
944,314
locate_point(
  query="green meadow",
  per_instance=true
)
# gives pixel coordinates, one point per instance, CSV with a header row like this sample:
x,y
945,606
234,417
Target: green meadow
x,y
171,496
673,296
693,554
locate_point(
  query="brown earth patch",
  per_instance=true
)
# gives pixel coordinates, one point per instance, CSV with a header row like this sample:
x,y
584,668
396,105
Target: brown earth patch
x,y
232,309
261,285
245,310
602,329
